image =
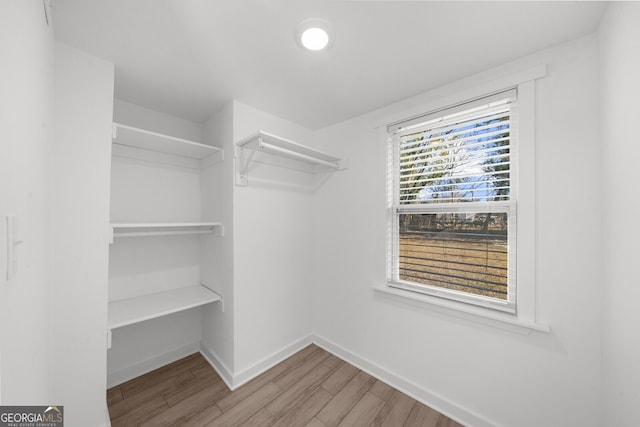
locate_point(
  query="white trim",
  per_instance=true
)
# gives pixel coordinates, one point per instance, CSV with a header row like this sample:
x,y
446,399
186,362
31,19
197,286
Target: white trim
x,y
270,361
458,92
406,386
130,372
218,365
478,314
487,102
233,381
507,305
411,389
107,417
523,187
476,111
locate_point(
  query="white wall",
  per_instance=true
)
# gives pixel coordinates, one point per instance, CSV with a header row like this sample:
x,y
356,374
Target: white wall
x,y
620,68
79,214
262,267
26,101
134,115
217,253
479,374
288,252
272,251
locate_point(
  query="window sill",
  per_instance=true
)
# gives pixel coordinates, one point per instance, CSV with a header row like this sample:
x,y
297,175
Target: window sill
x,y
464,311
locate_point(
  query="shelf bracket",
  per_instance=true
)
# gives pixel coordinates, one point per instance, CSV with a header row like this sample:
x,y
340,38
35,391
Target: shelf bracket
x,y
281,152
221,300
242,166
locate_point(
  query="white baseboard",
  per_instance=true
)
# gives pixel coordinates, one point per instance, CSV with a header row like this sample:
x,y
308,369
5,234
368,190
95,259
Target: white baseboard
x,y
419,393
140,368
216,363
270,361
107,418
234,381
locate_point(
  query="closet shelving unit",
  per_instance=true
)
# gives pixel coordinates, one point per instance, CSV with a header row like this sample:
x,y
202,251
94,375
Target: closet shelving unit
x,y
141,144
305,159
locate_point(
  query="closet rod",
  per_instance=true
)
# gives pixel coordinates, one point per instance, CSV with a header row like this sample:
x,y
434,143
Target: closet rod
x,y
300,156
159,233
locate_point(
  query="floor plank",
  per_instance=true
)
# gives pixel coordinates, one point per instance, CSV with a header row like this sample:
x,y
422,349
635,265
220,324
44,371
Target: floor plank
x,y
365,411
154,389
395,412
245,409
301,355
445,421
332,361
262,418
315,423
298,391
186,407
138,412
161,375
340,378
114,395
422,416
249,388
341,404
382,390
306,410
175,395
309,364
311,388
201,418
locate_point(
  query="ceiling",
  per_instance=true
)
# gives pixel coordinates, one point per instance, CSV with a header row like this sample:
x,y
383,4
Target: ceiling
x,y
190,57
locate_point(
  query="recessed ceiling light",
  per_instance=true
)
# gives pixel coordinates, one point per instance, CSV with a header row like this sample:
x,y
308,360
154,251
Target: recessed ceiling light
x,y
314,34
314,38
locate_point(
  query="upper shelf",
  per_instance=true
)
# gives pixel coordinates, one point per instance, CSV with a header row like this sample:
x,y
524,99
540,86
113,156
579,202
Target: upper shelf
x,y
143,144
164,229
307,159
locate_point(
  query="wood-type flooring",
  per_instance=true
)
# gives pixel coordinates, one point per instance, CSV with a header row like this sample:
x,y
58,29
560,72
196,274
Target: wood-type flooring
x,y
311,388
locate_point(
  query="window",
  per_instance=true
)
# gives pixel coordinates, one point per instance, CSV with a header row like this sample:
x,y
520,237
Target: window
x,y
453,210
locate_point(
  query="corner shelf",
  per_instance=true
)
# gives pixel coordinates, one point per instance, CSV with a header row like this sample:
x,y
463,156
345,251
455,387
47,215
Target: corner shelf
x,y
164,229
142,144
134,310
306,158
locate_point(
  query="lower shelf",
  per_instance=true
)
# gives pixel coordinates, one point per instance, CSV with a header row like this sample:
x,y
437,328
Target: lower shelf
x,y
134,310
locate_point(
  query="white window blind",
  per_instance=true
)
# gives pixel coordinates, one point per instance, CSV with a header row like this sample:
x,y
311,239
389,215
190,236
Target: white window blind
x,y
459,157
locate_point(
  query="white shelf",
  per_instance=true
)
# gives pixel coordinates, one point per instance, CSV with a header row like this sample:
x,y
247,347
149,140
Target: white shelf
x,y
306,158
129,141
164,229
134,310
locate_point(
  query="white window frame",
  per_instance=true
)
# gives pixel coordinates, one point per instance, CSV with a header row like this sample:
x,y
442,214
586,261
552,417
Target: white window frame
x,y
524,319
507,206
